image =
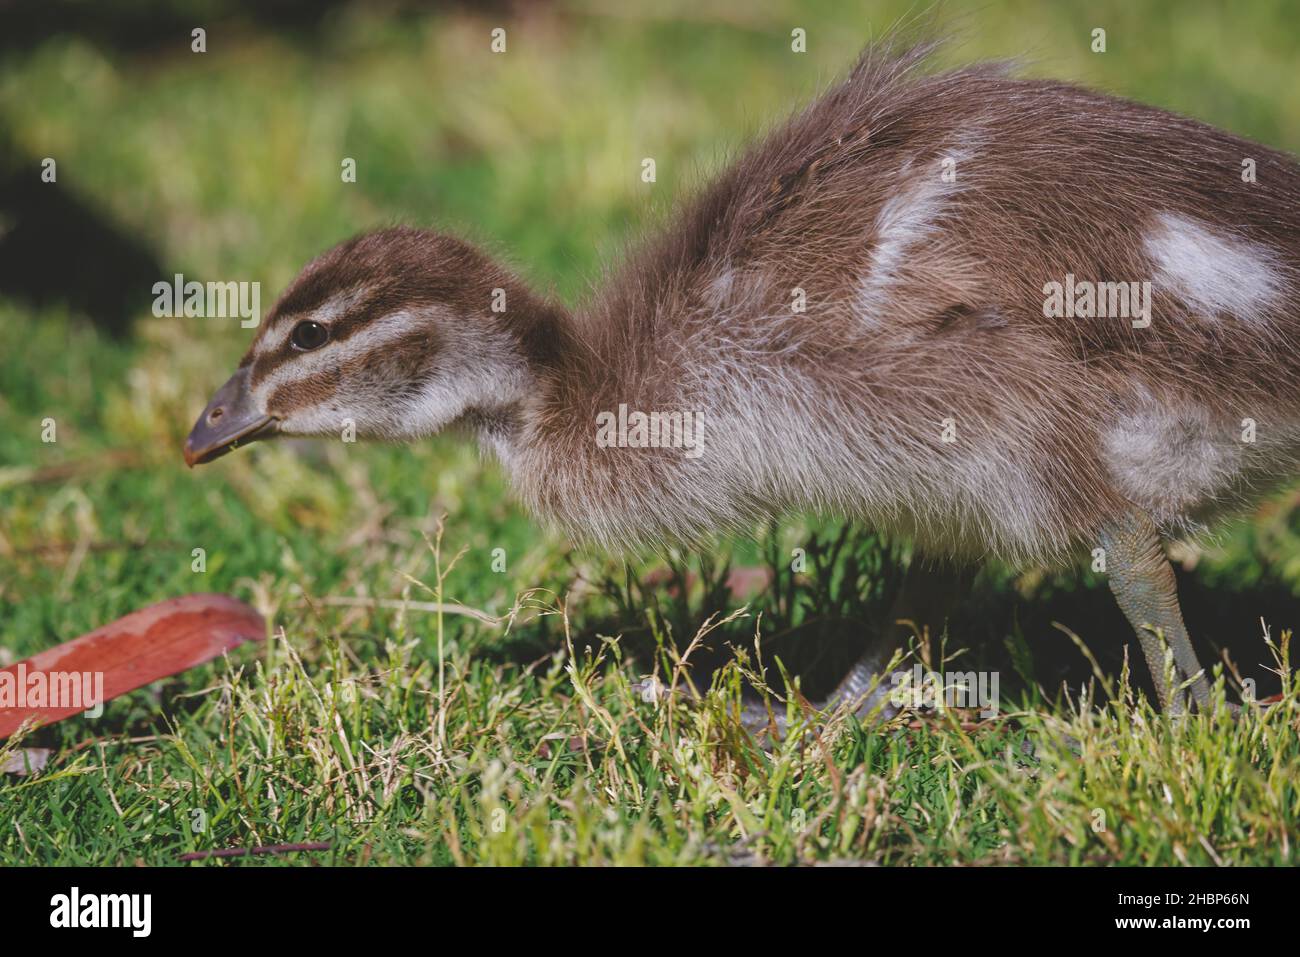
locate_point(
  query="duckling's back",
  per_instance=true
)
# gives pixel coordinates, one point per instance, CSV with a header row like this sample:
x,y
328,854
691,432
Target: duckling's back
x,y
987,312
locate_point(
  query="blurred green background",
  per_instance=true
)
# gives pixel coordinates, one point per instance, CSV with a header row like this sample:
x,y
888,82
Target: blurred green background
x,y
226,165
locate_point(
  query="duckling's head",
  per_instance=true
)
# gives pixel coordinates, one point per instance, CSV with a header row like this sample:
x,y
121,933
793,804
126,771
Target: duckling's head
x,y
392,335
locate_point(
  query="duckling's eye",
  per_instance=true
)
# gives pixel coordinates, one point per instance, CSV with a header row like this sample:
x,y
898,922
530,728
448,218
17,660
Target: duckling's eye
x,y
309,335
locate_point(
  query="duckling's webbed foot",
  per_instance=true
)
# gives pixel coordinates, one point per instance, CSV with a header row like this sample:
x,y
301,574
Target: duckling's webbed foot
x,y
1143,583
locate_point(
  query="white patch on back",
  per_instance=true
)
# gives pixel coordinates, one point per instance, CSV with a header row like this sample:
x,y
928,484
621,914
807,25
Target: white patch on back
x,y
1214,273
904,220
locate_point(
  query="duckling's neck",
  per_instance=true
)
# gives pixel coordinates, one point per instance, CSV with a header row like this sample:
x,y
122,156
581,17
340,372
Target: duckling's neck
x,y
499,432
539,423
541,347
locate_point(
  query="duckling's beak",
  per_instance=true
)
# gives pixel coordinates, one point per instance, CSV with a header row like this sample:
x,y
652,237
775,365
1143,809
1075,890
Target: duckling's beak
x,y
230,420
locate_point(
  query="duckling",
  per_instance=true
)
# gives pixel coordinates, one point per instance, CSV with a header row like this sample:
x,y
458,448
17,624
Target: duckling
x,y
994,316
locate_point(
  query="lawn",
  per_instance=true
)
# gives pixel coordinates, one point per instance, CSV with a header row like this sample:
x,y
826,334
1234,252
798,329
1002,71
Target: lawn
x,y
523,734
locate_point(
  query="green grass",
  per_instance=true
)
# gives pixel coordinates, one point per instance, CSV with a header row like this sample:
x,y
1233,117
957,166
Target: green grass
x,y
409,737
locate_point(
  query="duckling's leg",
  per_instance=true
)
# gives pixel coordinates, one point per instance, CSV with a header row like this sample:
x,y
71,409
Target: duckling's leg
x,y
1143,582
927,598
924,602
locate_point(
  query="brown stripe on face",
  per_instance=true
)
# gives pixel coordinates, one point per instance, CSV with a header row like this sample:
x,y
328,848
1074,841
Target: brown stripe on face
x,y
405,362
398,369
295,305
313,390
374,306
341,329
265,365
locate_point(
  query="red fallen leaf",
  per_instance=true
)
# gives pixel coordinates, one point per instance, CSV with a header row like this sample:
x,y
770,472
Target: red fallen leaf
x,y
144,646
